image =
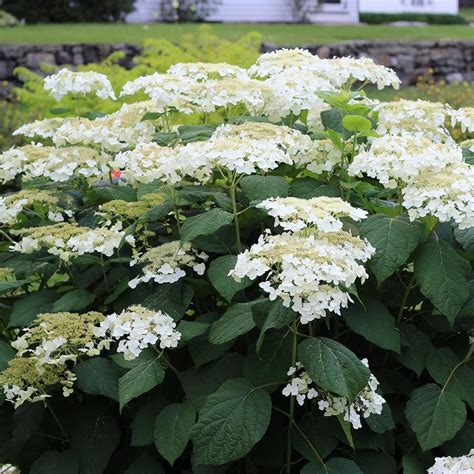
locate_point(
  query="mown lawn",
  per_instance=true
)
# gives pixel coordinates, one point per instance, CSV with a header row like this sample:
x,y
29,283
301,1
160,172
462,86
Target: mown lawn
x,y
285,34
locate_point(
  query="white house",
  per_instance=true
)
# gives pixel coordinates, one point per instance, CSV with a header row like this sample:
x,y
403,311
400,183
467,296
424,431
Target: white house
x,y
287,11
409,6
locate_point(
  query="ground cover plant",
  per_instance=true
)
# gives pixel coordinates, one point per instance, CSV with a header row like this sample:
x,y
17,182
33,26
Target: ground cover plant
x,y
284,285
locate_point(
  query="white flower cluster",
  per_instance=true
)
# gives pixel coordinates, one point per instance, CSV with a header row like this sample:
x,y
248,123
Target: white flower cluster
x,y
447,194
463,117
149,162
137,328
67,240
203,71
454,465
366,403
77,83
166,263
57,164
310,273
338,71
393,158
323,213
12,205
256,147
418,117
114,132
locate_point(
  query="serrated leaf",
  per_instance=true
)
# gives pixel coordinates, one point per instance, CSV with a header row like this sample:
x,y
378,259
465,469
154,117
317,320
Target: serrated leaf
x,y
73,301
98,376
143,424
205,223
271,364
237,320
441,274
415,346
6,353
173,430
466,238
94,437
434,415
53,462
231,422
333,466
383,422
394,239
26,309
139,380
441,363
218,274
191,329
145,464
373,321
277,317
258,188
333,367
198,384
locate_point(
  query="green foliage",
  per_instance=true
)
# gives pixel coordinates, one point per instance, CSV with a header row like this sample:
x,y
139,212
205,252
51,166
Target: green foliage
x,y
430,18
216,400
59,11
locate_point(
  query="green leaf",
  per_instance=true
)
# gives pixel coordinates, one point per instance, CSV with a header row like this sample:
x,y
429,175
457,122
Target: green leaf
x,y
98,376
101,194
412,465
6,286
145,464
231,422
383,422
463,442
52,462
441,363
394,239
26,309
332,119
415,347
356,123
320,431
259,188
373,462
434,415
143,424
272,362
466,238
6,353
73,301
218,274
307,188
173,430
441,274
198,384
333,466
373,321
94,437
139,380
277,317
191,329
204,224
333,367
237,320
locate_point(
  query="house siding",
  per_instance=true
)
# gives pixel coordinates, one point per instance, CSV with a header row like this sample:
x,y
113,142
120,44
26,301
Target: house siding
x,y
406,6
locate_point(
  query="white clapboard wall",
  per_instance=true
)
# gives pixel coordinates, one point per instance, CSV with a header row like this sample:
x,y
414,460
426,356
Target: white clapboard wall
x,y
408,6
259,11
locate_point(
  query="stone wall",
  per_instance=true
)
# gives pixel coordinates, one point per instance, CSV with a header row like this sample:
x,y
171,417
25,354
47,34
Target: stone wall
x,y
448,60
445,59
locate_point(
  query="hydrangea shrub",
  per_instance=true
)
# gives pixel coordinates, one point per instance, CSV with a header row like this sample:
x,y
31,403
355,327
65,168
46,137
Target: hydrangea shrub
x,y
285,286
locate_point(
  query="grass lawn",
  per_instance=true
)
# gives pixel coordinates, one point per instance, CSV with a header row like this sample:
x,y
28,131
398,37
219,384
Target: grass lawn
x,y
284,34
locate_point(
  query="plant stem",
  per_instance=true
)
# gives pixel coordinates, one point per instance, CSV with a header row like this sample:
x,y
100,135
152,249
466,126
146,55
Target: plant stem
x,y
56,419
236,216
175,207
291,415
405,297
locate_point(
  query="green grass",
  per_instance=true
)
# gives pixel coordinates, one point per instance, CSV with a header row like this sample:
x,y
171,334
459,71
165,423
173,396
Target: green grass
x,y
467,13
283,34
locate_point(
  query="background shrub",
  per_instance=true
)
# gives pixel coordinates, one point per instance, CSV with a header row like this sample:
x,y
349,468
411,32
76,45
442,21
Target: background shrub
x,y
431,18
